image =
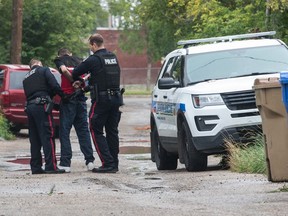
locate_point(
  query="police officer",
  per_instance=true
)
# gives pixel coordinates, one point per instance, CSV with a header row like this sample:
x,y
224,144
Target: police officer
x,y
106,98
40,86
74,112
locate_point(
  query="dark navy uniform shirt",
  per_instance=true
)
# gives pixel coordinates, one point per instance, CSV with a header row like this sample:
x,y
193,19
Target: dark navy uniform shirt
x,y
91,65
41,82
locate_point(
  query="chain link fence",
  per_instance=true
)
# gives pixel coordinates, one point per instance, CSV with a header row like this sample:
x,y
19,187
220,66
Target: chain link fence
x,y
139,77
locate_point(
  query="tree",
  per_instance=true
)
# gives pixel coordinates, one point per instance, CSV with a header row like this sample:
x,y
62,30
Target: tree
x,y
5,33
50,25
162,23
277,20
16,40
149,25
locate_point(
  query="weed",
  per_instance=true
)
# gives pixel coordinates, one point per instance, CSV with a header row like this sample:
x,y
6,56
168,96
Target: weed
x,y
247,158
4,129
51,190
284,188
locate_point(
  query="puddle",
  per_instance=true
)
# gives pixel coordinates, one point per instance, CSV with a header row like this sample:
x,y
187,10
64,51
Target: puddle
x,y
20,161
122,149
134,150
152,178
147,127
25,160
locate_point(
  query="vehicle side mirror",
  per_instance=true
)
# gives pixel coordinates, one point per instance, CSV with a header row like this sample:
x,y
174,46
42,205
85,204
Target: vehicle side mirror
x,y
167,83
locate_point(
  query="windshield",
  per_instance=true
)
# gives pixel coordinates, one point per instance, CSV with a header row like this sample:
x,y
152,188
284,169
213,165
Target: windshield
x,y
235,63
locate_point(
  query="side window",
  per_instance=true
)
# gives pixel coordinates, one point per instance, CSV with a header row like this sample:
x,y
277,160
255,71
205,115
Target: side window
x,y
173,68
177,68
167,70
16,80
1,77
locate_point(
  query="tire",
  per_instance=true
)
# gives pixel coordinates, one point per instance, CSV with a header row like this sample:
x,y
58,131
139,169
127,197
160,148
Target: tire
x,y
15,129
193,159
163,160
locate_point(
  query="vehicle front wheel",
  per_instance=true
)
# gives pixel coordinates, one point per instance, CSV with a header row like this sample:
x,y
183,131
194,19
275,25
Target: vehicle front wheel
x,y
193,159
163,160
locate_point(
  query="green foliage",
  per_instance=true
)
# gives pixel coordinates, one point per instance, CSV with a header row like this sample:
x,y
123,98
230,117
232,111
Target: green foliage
x,y
215,19
160,24
50,25
284,188
4,129
150,26
247,158
5,33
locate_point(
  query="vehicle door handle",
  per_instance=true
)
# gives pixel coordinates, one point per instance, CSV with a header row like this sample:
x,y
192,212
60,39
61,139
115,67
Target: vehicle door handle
x,y
165,97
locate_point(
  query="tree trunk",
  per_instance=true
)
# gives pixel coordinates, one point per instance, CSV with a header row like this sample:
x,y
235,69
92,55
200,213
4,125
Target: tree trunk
x,y
148,81
16,39
268,12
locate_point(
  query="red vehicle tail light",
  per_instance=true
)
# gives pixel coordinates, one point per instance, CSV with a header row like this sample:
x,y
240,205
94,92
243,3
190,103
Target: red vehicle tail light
x,y
5,98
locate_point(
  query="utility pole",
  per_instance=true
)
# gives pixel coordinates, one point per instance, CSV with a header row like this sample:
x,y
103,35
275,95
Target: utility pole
x,y
16,39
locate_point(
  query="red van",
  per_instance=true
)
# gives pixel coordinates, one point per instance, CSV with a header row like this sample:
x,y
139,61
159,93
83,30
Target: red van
x,y
12,97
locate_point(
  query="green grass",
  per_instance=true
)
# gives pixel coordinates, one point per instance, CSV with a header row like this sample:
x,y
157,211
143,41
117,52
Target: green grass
x,y
248,158
4,129
137,90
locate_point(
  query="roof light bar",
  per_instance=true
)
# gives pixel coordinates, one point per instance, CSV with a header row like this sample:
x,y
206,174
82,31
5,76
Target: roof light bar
x,y
186,43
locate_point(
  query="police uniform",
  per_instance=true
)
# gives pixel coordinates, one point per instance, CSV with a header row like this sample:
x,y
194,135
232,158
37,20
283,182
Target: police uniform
x,y
104,83
72,113
40,86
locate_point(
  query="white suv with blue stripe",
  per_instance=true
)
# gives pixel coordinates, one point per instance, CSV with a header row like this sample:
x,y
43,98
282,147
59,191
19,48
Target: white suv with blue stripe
x,y
204,95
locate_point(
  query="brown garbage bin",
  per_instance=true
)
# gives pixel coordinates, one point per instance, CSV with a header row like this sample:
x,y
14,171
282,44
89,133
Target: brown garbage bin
x,y
275,129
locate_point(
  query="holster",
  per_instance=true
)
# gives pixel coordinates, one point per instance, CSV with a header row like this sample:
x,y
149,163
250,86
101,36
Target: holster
x,y
49,105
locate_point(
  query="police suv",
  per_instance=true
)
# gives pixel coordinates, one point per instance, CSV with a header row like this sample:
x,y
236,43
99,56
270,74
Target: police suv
x,y
203,96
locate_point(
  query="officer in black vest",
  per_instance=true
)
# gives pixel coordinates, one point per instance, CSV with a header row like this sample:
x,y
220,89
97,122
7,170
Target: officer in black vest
x,y
40,86
106,98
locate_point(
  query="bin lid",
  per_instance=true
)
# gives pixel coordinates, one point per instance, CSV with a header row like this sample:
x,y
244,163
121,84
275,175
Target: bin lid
x,y
270,82
284,77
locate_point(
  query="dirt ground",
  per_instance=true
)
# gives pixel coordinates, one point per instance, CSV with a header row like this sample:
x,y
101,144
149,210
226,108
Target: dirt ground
x,y
138,188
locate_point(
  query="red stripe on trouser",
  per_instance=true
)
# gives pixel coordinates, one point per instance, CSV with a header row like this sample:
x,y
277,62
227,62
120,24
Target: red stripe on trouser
x,y
51,141
93,134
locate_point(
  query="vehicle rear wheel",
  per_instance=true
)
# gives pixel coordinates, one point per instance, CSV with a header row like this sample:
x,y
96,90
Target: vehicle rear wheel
x,y
193,159
163,160
15,129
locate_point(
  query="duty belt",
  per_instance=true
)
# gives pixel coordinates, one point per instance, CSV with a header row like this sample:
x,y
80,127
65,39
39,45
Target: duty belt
x,y
39,100
109,92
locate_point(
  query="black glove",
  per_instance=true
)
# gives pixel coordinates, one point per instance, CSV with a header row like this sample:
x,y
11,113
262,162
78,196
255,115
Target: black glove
x,y
65,98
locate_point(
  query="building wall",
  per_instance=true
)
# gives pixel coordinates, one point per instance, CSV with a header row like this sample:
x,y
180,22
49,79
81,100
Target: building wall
x,y
133,66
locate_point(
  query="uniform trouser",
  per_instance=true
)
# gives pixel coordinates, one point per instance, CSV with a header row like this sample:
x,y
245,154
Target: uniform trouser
x,y
41,134
105,115
74,113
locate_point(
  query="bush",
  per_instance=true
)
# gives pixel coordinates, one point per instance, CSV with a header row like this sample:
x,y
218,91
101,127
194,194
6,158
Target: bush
x,y
248,158
5,132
